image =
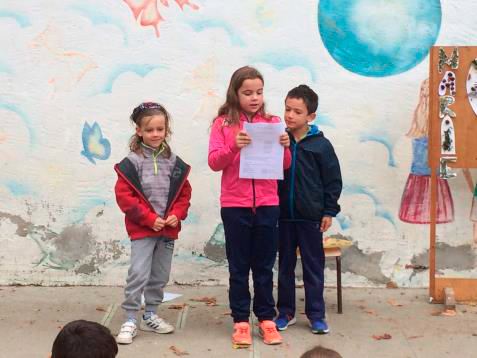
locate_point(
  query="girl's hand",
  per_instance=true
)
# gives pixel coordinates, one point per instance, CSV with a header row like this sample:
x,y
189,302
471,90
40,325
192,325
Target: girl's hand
x,y
326,223
159,224
172,221
285,140
242,139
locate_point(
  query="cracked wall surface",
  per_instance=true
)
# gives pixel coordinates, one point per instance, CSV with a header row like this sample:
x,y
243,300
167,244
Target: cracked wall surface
x,y
71,73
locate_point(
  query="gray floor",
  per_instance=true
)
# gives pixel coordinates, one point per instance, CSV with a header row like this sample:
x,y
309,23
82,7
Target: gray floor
x,y
32,316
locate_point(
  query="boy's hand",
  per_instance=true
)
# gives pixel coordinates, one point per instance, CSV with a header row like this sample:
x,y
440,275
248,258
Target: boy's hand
x,y
172,221
159,224
242,139
285,140
326,223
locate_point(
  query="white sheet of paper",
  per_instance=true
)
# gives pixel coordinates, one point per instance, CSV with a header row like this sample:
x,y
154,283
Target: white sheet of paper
x,y
168,296
263,157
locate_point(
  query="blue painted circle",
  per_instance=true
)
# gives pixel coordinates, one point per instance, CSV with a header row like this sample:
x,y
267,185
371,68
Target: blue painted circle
x,y
379,38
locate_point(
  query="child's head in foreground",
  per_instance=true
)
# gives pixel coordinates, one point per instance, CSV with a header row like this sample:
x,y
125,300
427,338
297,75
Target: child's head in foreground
x,y
321,352
301,104
84,339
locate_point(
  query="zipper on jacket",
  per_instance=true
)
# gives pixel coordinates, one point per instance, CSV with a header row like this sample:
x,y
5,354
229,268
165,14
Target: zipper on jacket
x,y
254,209
291,197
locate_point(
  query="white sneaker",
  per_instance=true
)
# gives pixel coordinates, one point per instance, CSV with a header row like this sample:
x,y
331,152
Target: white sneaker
x,y
155,324
127,332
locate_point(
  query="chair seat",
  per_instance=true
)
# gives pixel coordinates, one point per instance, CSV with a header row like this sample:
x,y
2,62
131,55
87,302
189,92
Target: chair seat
x,y
332,251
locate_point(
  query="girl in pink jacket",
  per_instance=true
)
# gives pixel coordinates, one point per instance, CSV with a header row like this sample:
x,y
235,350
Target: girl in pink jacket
x,y
249,207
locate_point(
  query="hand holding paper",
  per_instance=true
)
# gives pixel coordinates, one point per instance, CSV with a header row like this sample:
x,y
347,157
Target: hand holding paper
x,y
262,158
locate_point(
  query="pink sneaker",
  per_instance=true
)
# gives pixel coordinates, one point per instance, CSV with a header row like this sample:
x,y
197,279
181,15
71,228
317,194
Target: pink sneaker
x,y
268,330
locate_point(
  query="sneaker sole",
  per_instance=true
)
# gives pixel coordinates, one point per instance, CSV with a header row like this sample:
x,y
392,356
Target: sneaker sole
x,y
320,332
239,345
290,323
260,333
148,329
124,340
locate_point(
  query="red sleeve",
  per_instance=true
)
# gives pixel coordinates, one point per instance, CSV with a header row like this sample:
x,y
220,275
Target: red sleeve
x,y
287,159
182,203
131,205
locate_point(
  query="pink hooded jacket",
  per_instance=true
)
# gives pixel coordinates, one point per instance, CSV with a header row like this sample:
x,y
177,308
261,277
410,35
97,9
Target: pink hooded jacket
x,y
225,155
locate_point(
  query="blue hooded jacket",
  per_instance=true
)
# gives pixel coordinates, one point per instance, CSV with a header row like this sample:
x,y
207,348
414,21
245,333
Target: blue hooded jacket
x,y
312,185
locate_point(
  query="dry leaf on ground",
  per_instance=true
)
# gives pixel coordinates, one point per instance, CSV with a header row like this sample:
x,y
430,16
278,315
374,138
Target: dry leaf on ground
x,y
178,352
394,303
177,307
209,301
384,336
101,309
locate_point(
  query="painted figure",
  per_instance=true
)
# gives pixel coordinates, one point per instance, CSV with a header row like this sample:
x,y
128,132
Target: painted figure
x,y
415,201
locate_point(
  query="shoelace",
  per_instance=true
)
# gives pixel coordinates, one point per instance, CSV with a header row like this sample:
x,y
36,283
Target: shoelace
x,y
270,330
242,330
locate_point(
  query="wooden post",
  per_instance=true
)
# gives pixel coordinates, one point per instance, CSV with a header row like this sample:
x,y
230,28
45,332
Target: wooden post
x,y
433,160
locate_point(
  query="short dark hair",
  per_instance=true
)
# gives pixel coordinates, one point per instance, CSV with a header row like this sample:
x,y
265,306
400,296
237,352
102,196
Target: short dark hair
x,y
321,352
307,95
84,339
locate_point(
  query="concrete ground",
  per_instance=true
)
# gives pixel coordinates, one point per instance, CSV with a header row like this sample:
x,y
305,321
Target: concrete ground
x,y
30,318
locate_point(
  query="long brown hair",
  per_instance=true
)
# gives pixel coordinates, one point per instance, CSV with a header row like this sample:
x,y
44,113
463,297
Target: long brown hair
x,y
231,107
148,109
420,119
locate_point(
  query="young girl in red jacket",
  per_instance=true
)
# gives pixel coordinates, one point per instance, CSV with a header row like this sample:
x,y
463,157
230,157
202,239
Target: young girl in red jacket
x,y
153,192
249,207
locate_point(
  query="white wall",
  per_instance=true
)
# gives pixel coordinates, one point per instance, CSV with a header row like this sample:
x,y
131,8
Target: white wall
x,y
65,65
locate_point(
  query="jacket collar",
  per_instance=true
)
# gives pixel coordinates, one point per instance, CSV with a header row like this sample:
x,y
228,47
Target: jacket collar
x,y
244,118
149,151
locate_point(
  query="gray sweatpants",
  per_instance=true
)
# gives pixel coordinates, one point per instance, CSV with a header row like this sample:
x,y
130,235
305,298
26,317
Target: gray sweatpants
x,y
149,272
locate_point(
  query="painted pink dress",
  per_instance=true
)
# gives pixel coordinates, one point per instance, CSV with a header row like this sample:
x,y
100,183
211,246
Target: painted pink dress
x,y
415,201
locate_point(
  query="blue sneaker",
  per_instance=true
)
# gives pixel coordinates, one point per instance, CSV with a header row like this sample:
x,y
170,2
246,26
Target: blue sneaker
x,y
283,322
319,326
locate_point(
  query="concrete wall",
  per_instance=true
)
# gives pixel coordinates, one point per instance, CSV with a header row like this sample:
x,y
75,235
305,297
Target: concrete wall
x,y
72,71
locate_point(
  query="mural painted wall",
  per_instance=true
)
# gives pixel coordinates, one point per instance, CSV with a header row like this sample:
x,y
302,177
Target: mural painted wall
x,y
72,71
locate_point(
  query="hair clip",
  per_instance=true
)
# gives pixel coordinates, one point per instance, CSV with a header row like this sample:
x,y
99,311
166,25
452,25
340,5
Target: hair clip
x,y
150,105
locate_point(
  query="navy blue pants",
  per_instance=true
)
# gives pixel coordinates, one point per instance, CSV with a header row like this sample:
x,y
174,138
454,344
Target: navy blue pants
x,y
307,236
251,243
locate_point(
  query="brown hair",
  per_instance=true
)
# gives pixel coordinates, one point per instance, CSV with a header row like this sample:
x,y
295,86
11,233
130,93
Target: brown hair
x,y
231,107
321,352
148,109
84,339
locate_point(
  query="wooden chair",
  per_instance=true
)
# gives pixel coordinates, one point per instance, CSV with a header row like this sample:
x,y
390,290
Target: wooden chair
x,y
336,253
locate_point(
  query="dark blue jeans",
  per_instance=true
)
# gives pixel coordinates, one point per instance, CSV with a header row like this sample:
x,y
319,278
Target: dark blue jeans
x,y
251,243
307,236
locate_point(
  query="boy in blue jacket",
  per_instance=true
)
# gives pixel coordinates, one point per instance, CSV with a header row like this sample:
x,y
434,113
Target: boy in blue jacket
x,y
308,201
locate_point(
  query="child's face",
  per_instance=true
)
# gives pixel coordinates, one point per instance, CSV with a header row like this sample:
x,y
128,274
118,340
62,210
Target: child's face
x,y
250,95
296,114
152,130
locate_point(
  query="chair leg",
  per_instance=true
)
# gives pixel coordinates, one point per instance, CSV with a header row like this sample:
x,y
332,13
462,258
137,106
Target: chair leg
x,y
338,284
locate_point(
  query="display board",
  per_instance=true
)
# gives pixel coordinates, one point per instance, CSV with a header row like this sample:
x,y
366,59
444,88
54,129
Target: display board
x,y
452,142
